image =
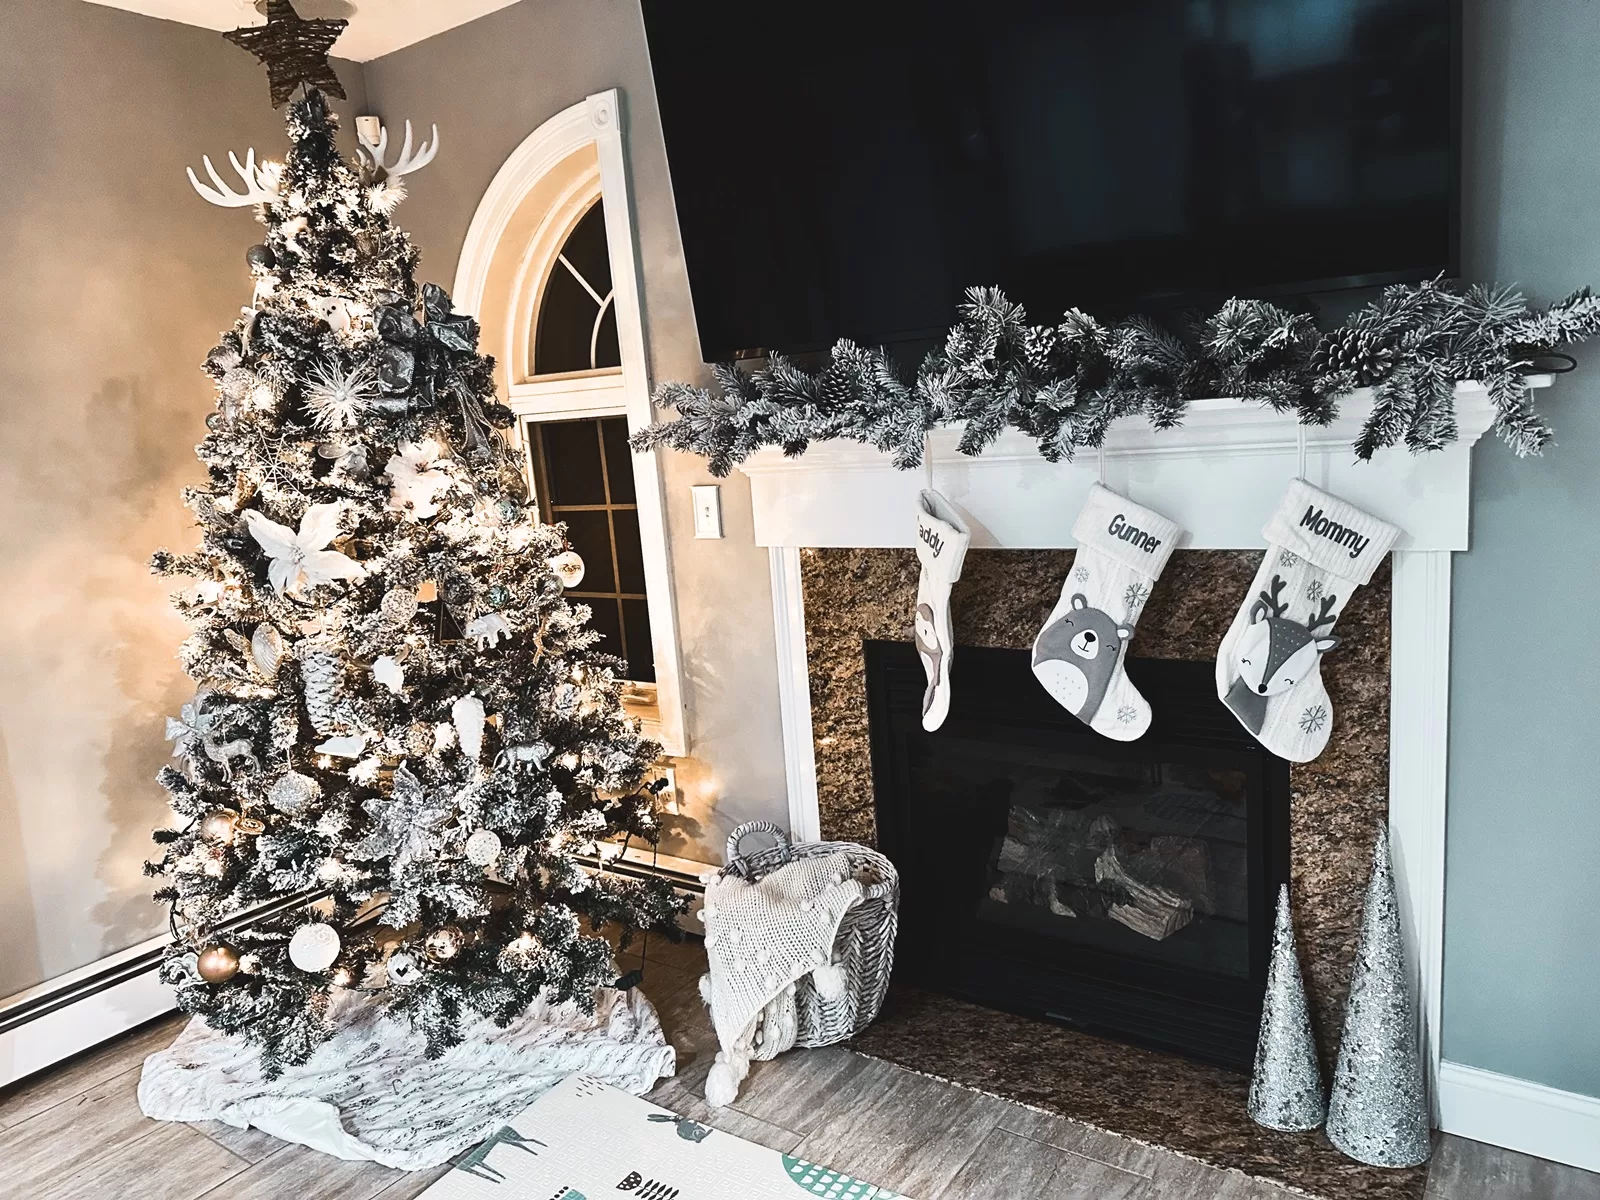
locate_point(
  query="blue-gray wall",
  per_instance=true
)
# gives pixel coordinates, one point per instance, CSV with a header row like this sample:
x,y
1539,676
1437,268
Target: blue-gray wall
x,y
1522,924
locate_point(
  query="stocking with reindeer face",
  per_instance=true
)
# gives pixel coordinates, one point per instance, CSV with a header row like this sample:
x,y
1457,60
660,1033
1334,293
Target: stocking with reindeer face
x,y
1269,673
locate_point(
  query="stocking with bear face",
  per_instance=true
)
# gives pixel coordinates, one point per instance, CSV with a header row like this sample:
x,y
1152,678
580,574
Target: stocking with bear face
x,y
1078,655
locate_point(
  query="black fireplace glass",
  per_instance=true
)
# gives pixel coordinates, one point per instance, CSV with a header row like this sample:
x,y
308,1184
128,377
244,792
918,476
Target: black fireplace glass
x,y
1123,887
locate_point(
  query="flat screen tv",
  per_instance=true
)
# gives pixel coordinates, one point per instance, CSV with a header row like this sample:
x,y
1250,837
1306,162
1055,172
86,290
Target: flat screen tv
x,y
848,169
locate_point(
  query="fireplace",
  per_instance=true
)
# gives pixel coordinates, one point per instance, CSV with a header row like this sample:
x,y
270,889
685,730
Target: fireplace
x,y
1125,889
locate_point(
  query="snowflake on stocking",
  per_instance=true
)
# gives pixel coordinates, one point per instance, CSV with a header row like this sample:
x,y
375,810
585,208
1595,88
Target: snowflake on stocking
x,y
1314,718
1314,590
1288,559
1134,597
1081,574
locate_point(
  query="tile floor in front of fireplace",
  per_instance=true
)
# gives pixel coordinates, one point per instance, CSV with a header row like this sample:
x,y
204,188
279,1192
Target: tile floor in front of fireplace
x,y
76,1133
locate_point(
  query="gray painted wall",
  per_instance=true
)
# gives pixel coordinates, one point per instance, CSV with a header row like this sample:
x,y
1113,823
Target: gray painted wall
x,y
114,280
1522,926
488,85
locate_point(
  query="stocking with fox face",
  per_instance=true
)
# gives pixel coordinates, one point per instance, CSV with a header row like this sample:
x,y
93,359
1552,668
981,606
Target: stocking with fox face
x,y
1269,672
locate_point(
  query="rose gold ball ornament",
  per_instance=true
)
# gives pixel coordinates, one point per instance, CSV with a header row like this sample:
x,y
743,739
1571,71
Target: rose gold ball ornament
x,y
314,947
443,944
568,567
217,964
218,825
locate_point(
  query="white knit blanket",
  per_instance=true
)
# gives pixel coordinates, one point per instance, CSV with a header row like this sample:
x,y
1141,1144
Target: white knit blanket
x,y
371,1092
760,939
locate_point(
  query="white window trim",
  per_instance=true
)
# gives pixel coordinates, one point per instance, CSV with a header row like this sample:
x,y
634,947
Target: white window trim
x,y
595,125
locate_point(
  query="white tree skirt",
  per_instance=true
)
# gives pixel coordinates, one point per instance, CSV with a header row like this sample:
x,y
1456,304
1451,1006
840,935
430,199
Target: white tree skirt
x,y
371,1093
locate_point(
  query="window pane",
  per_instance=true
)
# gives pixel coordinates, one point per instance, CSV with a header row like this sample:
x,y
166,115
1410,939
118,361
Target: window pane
x,y
630,558
605,622
641,653
572,463
619,459
567,310
586,249
566,322
607,351
590,535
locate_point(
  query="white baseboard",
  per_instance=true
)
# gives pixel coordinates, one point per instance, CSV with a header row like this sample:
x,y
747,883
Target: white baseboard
x,y
1543,1121
79,1010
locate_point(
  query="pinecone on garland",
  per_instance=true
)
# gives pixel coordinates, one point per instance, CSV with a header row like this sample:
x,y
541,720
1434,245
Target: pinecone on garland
x,y
1360,352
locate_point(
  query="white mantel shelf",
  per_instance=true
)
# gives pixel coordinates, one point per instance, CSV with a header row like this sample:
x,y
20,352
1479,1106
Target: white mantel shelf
x,y
1219,474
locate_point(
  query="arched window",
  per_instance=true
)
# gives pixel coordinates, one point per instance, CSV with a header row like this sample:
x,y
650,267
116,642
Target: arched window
x,y
549,267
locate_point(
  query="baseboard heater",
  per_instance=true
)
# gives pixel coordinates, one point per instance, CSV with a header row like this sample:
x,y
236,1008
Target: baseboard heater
x,y
59,1018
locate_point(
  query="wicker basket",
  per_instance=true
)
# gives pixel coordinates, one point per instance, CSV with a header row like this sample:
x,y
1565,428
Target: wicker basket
x,y
864,947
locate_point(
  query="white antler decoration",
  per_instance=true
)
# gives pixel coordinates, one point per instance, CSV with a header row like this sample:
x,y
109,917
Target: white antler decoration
x,y
407,162
257,190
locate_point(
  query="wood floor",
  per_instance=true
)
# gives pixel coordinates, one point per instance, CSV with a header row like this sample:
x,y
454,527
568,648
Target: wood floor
x,y
77,1132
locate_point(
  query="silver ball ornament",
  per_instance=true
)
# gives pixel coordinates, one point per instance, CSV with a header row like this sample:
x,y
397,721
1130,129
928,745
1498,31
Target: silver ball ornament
x,y
399,605
483,847
293,793
403,968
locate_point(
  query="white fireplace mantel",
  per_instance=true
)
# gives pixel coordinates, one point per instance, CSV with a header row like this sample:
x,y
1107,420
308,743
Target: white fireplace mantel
x,y
1220,475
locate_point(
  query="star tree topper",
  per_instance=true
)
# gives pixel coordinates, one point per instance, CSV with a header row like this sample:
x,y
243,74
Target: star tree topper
x,y
294,50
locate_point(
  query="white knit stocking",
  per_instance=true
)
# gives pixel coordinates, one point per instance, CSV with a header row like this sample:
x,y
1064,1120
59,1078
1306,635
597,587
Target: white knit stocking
x,y
1078,655
1269,666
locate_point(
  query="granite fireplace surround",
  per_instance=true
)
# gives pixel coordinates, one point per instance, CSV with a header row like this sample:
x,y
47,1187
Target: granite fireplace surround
x,y
1339,800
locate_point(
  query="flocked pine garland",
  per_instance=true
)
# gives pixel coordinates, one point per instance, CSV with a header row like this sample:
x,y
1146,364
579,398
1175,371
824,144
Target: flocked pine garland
x,y
1064,384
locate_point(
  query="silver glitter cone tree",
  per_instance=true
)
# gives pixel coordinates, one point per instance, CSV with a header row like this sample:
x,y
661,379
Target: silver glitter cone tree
x,y
1286,1088
1378,1112
399,716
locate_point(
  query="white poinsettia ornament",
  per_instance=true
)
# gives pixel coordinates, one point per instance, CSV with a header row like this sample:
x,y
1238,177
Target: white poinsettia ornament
x,y
302,560
418,479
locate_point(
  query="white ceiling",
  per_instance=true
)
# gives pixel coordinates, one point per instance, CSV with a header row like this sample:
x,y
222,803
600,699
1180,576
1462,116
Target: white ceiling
x,y
376,26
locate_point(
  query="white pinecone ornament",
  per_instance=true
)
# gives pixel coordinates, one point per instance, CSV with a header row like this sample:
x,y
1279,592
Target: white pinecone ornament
x,y
322,674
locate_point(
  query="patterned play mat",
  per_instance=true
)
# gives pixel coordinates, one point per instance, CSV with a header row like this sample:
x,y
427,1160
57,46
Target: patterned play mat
x,y
583,1140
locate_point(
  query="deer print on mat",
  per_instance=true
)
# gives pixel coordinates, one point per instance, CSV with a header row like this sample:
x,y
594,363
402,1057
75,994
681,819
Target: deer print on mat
x,y
1275,653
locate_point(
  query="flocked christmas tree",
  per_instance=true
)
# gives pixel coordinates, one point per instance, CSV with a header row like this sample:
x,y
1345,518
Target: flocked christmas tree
x,y
397,711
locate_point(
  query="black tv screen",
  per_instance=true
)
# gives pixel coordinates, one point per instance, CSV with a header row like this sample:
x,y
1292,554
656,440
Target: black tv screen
x,y
849,169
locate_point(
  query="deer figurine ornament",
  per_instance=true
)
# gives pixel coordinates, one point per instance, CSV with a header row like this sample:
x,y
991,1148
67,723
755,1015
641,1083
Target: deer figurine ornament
x,y
1275,653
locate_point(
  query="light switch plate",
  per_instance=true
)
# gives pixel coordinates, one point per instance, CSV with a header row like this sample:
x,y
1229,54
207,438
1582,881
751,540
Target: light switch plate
x,y
707,510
